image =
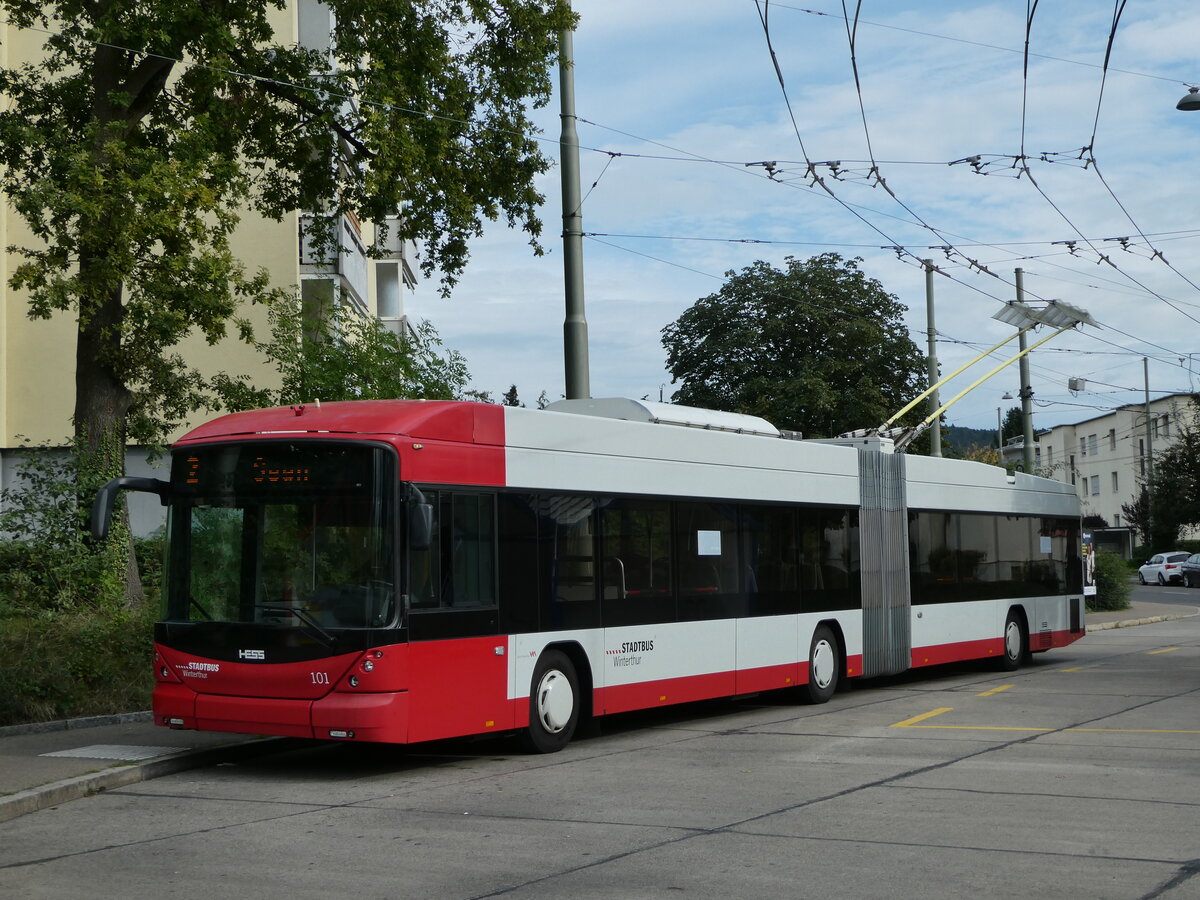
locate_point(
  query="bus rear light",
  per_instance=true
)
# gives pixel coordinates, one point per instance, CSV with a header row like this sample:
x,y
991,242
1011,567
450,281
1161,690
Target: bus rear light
x,y
378,654
368,666
353,681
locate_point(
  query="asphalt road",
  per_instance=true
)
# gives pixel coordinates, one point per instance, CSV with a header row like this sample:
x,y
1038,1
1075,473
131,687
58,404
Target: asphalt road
x,y
1170,593
1078,776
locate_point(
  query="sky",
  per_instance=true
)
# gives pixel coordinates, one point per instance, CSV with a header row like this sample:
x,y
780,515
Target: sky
x,y
675,99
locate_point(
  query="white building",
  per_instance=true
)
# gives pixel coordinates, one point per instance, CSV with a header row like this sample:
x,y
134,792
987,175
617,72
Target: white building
x,y
1106,457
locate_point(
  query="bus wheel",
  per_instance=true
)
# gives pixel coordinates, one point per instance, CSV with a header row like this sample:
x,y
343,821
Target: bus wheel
x,y
824,665
553,703
1014,644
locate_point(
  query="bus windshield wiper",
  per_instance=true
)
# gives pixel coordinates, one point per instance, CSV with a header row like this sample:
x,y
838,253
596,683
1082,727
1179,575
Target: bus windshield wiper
x,y
321,634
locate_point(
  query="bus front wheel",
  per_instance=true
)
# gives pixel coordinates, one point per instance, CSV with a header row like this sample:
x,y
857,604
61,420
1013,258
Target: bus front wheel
x,y
553,703
824,665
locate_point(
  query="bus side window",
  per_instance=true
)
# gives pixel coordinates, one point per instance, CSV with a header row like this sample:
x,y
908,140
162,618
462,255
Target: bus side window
x,y
469,550
458,571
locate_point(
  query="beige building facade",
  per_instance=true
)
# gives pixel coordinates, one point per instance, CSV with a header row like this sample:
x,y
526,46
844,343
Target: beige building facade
x,y
1106,457
37,369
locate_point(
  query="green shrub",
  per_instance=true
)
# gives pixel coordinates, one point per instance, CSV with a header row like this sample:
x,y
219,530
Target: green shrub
x,y
70,645
1112,582
58,664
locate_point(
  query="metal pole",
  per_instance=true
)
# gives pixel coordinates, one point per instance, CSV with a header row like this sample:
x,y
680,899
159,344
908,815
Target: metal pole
x,y
999,437
575,336
935,436
1149,450
1026,390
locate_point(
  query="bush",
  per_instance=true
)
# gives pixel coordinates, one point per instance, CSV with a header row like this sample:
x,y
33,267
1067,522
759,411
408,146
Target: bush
x,y
1112,582
70,645
57,664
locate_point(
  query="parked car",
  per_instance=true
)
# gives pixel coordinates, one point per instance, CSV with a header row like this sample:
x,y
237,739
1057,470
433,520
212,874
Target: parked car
x,y
1163,568
1191,571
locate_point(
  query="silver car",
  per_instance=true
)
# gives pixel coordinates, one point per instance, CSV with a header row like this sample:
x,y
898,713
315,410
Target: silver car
x,y
1163,568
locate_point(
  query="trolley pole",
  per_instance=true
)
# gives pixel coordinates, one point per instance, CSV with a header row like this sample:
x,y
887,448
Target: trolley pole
x,y
935,432
1026,390
575,336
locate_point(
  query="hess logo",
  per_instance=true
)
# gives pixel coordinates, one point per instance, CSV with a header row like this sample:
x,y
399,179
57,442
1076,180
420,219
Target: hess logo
x,y
252,654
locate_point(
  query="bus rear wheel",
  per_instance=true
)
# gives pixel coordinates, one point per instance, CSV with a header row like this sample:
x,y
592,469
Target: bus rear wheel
x,y
824,665
1015,642
553,703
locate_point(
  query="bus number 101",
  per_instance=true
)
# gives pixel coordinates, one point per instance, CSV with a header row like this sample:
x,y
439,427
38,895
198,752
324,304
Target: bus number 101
x,y
319,677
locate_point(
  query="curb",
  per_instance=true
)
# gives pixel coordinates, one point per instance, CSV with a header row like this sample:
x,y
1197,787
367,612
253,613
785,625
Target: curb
x,y
47,795
71,724
1146,620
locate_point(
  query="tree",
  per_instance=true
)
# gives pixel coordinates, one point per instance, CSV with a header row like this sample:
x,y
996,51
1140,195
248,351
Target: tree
x,y
346,356
1137,514
510,397
817,347
131,148
1175,485
1014,423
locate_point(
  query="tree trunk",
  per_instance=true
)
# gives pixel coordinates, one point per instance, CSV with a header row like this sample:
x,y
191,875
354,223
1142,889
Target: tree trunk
x,y
102,402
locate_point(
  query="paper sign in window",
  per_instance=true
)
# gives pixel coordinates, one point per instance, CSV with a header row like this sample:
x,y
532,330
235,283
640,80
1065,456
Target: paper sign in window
x,y
708,543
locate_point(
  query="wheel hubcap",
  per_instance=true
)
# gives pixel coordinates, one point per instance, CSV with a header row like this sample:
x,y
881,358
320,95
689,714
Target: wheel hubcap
x,y
555,701
1012,640
822,666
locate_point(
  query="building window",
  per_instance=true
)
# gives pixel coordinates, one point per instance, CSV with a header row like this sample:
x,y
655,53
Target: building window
x,y
1092,445
1116,520
1154,423
1112,439
1114,479
1095,485
1083,446
1072,470
1049,457
1037,456
1166,426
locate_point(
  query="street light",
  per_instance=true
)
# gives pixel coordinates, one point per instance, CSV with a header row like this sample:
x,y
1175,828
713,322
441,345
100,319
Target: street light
x,y
1190,101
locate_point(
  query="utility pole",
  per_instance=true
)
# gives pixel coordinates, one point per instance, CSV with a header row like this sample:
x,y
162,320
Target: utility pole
x,y
935,433
1026,390
575,336
1149,473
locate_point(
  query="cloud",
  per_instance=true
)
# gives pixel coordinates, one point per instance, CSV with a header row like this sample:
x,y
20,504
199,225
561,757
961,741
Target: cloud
x,y
694,82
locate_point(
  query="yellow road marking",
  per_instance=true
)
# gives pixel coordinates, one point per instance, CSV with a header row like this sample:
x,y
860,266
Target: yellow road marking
x,y
909,723
1077,668
913,723
1164,650
995,690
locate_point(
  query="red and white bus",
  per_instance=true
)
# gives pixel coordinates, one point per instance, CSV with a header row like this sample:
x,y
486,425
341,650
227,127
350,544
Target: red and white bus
x,y
403,571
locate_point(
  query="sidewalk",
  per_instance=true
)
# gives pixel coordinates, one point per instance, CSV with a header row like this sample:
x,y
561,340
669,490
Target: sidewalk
x,y
1141,613
52,763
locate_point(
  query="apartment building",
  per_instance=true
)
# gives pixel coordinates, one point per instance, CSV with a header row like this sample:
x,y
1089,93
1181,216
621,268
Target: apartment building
x,y
1106,457
37,377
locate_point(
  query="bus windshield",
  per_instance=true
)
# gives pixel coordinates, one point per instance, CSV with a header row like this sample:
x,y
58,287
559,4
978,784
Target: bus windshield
x,y
291,534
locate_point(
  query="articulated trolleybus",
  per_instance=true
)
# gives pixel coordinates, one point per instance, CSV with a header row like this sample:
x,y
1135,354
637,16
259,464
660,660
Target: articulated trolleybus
x,y
402,571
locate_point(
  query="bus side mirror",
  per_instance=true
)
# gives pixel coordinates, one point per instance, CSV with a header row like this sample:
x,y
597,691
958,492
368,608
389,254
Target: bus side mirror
x,y
420,520
420,526
106,499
